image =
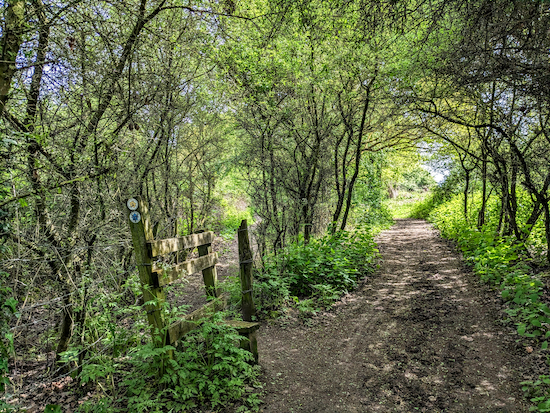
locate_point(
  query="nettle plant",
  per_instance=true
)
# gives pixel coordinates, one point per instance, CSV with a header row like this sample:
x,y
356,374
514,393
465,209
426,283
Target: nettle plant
x,y
207,369
537,392
313,275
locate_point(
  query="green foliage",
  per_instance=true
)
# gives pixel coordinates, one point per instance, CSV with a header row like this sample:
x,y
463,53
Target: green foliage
x,y
417,179
403,206
271,291
8,304
368,208
423,208
337,260
403,171
232,217
209,369
439,195
538,392
8,308
419,194
378,218
103,405
109,312
314,274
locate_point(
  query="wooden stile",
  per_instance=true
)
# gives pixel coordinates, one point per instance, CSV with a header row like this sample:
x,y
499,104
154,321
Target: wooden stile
x,y
191,321
166,246
153,278
248,330
169,275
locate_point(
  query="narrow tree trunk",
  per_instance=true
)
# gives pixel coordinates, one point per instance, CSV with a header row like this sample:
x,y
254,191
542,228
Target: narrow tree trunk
x,y
358,153
501,216
547,228
65,332
466,189
481,214
9,47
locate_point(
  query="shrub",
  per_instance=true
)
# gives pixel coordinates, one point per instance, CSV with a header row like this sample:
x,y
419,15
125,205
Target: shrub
x,y
7,311
322,270
209,369
337,261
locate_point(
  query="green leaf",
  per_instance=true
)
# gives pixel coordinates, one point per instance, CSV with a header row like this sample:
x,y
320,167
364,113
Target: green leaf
x,y
521,329
544,345
53,408
11,303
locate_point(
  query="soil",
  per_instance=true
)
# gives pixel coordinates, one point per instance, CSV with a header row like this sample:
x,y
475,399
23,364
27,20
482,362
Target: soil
x,y
418,335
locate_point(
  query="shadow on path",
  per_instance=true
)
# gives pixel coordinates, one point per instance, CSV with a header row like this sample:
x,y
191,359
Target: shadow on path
x,y
416,336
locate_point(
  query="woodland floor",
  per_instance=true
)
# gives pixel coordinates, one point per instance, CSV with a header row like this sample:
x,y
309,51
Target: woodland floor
x,y
420,334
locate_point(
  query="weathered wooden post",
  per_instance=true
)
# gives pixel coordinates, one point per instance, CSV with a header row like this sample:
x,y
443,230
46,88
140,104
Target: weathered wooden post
x,y
248,309
245,264
153,296
209,275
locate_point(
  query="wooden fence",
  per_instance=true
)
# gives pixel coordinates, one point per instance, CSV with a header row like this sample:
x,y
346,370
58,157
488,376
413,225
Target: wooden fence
x,y
154,276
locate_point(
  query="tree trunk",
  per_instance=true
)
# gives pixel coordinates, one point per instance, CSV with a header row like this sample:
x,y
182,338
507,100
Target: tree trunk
x,y
10,44
481,214
466,189
547,228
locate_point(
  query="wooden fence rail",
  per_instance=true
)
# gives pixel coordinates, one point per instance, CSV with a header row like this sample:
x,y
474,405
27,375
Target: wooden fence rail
x,y
155,275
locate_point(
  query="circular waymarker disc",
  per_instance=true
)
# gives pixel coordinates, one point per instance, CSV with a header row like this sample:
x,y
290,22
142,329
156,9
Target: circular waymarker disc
x,y
132,204
135,217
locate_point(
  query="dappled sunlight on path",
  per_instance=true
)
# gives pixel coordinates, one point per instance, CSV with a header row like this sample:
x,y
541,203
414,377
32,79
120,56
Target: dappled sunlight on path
x,y
415,337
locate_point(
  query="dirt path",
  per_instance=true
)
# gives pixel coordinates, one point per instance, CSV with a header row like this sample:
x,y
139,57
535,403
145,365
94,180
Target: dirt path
x,y
419,335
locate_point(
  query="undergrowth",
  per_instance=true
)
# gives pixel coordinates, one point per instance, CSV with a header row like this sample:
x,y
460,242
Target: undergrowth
x,y
405,205
312,276
208,369
7,311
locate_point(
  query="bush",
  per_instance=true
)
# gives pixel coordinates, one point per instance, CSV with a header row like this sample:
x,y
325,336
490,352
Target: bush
x,y
232,217
8,308
320,271
337,261
209,370
7,311
422,209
